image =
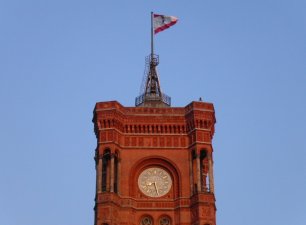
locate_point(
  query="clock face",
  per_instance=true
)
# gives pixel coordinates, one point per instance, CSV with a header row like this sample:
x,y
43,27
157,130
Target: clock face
x,y
154,182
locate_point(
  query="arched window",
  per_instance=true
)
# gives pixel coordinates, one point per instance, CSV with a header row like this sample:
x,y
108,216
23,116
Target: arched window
x,y
204,170
105,169
116,162
110,178
203,154
164,221
146,221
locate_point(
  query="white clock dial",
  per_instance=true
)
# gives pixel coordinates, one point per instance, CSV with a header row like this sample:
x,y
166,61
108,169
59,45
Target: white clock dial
x,y
154,182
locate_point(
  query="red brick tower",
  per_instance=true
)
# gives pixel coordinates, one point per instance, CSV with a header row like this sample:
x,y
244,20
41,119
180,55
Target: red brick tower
x,y
154,163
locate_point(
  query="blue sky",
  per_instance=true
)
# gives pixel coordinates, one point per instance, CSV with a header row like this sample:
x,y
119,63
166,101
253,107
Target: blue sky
x,y
58,58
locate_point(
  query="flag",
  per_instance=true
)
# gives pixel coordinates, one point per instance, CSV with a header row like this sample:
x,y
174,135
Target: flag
x,y
161,22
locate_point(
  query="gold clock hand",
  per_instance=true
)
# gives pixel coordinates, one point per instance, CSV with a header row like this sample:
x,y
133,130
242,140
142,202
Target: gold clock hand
x,y
156,188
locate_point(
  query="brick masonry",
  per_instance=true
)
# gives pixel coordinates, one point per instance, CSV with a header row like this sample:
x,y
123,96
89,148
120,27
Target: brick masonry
x,y
176,139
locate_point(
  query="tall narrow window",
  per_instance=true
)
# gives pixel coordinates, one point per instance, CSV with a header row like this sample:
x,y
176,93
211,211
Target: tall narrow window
x,y
204,170
116,174
105,169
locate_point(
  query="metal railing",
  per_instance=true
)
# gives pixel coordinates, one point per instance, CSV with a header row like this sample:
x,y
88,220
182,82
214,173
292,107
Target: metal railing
x,y
146,97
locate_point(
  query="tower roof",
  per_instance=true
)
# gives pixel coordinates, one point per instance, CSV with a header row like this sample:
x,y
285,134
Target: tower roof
x,y
152,96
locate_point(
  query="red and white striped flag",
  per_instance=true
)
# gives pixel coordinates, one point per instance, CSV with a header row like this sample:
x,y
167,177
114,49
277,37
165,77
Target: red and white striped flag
x,y
161,22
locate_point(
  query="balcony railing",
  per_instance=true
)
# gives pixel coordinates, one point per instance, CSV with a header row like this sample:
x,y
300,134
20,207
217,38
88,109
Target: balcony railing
x,y
146,97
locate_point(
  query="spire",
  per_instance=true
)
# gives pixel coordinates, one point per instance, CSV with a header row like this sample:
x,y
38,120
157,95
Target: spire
x,y
152,95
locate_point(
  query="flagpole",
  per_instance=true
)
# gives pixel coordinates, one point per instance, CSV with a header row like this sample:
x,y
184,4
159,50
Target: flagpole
x,y
152,37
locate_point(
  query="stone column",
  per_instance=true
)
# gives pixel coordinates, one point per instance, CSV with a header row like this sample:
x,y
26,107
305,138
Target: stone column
x,y
118,175
112,168
198,173
107,173
211,173
191,174
204,175
99,174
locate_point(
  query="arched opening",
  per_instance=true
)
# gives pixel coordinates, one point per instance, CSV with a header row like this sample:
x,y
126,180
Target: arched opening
x,y
106,170
204,170
116,171
110,171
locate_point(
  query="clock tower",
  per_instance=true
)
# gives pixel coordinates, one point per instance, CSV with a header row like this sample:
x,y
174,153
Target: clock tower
x,y
154,162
